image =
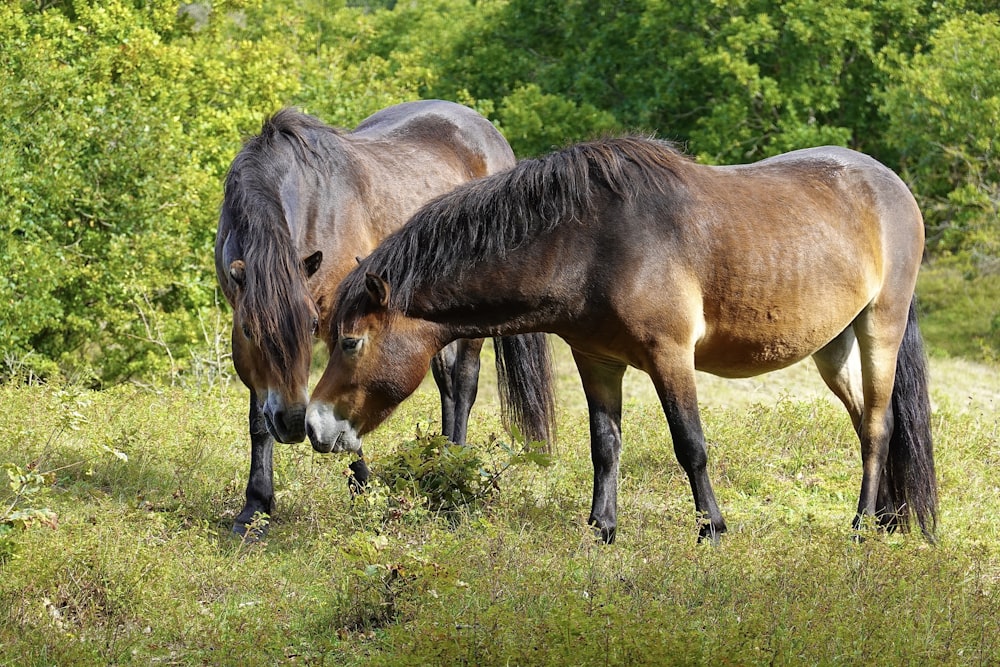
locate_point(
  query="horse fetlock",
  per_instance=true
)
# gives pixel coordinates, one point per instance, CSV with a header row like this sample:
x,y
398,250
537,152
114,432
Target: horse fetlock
x,y
357,480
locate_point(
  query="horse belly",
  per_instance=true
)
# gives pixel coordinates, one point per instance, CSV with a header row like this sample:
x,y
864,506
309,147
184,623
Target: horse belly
x,y
742,359
754,340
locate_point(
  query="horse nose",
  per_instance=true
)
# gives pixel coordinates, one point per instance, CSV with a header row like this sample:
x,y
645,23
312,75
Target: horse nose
x,y
289,426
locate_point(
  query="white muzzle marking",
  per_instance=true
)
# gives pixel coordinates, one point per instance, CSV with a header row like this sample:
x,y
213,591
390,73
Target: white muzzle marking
x,y
328,433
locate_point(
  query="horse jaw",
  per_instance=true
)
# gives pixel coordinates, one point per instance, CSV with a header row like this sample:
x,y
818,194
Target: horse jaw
x,y
328,432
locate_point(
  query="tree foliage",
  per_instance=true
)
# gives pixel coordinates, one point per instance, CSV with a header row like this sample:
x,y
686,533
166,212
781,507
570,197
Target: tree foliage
x,y
943,111
118,123
120,118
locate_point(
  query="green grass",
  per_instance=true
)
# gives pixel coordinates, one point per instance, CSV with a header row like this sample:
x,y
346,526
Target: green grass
x,y
141,568
960,312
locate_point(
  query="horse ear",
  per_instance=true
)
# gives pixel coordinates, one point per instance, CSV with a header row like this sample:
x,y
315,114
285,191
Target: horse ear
x,y
378,289
238,271
312,262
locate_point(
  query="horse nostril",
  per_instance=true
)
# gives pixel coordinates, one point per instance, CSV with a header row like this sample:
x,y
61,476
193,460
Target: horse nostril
x,y
288,426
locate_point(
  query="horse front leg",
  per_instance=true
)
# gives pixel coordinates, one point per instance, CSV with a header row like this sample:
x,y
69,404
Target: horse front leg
x,y
678,396
357,482
260,484
602,384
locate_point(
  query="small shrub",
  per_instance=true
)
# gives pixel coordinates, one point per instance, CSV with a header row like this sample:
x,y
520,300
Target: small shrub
x,y
450,477
20,509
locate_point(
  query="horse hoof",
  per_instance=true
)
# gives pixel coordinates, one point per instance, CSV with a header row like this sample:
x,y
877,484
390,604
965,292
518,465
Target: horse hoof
x,y
249,534
357,481
253,530
605,534
710,534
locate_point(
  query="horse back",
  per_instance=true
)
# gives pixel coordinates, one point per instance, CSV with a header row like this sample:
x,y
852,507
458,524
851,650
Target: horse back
x,y
444,128
762,264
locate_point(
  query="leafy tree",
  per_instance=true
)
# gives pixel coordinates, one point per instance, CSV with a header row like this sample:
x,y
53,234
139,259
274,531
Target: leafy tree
x,y
120,118
119,121
735,81
943,107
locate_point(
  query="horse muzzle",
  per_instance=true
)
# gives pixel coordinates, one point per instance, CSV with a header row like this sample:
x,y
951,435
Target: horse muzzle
x,y
328,433
286,423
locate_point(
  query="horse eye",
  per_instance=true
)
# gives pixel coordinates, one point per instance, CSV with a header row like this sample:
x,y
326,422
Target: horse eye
x,y
315,325
246,330
351,346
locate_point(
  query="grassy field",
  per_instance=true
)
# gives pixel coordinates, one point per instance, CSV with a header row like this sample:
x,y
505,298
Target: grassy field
x,y
128,559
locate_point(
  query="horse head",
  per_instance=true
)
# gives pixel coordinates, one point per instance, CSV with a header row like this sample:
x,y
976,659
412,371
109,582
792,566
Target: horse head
x,y
378,357
272,346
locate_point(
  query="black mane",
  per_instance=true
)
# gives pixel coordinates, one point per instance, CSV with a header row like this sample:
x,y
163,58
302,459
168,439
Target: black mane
x,y
274,299
490,217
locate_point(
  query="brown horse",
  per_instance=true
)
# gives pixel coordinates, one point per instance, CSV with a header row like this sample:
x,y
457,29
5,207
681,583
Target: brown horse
x,y
636,255
302,202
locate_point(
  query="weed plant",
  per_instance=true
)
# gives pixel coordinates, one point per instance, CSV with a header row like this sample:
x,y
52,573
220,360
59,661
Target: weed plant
x,y
136,563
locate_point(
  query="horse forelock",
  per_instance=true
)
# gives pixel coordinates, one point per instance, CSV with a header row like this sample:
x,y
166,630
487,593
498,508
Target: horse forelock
x,y
491,217
274,301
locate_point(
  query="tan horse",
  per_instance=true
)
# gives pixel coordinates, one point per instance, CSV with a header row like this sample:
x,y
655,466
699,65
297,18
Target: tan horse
x,y
636,255
302,202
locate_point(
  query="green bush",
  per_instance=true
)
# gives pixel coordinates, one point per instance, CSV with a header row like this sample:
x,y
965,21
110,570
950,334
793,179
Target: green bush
x,y
19,510
943,107
119,122
449,479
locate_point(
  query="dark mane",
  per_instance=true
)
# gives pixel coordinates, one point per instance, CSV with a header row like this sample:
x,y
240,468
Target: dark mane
x,y
490,217
274,295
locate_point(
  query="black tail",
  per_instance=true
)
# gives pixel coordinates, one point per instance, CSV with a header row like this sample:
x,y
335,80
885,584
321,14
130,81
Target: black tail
x,y
910,485
524,374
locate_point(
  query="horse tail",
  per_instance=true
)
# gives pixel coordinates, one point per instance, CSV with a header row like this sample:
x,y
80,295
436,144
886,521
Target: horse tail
x,y
527,397
910,484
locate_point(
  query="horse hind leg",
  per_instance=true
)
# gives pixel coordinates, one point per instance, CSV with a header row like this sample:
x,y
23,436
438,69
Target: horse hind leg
x,y
839,364
441,366
456,372
879,332
465,380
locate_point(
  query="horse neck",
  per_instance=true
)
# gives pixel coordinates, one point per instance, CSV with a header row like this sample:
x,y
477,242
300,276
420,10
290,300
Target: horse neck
x,y
509,297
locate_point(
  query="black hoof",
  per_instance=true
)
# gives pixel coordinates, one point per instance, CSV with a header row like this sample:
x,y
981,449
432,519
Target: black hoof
x,y
357,482
254,529
710,534
605,534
